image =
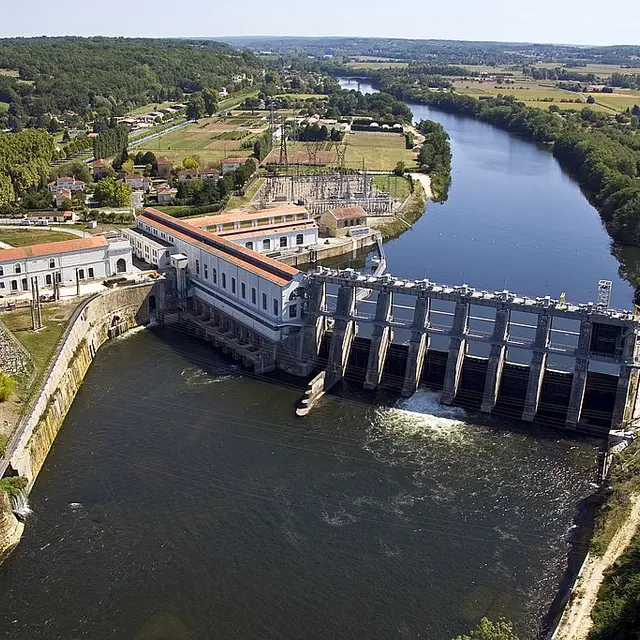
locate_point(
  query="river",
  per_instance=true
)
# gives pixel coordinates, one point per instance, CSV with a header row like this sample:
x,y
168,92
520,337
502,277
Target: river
x,y
513,220
183,499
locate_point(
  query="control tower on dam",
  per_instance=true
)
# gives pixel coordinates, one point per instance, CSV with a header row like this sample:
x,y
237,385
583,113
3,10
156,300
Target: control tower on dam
x,y
529,358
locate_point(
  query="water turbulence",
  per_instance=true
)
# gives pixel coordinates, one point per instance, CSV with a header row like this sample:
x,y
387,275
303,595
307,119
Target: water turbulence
x,y
20,506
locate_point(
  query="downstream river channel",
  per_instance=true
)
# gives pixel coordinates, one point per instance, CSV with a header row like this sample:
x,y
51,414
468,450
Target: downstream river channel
x,y
183,499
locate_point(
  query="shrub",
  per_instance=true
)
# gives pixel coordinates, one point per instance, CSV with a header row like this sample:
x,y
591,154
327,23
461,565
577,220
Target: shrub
x,y
7,387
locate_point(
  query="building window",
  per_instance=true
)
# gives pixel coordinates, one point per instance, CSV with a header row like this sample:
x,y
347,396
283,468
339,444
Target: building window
x,y
214,276
266,244
1,271
264,301
243,289
81,274
197,267
52,263
283,242
47,279
1,285
206,271
17,268
233,285
299,239
91,272
224,280
276,307
25,284
293,310
249,245
14,285
253,295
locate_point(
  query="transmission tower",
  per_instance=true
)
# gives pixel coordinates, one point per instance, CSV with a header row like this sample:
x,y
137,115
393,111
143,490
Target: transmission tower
x,y
341,154
284,159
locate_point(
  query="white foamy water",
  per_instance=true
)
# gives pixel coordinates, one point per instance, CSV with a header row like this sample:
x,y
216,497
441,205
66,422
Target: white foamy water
x,y
421,416
196,377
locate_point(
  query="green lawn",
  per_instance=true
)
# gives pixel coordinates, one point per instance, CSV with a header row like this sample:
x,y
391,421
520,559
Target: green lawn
x,y
26,237
377,151
41,344
238,201
398,187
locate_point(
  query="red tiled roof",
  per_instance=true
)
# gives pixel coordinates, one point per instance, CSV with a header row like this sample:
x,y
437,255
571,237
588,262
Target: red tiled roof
x,y
346,213
283,227
99,164
52,248
238,215
251,261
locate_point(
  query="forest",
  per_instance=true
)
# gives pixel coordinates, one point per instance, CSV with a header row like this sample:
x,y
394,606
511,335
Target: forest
x,y
101,77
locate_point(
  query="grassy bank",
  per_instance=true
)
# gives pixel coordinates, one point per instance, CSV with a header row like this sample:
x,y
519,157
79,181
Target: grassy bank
x,y
403,221
623,483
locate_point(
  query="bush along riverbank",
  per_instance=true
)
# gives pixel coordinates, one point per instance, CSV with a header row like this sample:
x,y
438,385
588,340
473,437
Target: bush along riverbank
x,y
396,225
434,158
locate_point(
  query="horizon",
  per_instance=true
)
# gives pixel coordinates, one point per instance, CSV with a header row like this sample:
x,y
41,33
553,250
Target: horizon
x,y
225,38
551,22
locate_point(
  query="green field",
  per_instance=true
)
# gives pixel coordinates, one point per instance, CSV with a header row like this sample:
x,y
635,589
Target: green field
x,y
618,101
379,151
26,237
239,201
4,107
398,187
211,139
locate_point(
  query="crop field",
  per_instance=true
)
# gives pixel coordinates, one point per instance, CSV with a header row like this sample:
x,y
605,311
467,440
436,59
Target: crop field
x,y
618,101
211,139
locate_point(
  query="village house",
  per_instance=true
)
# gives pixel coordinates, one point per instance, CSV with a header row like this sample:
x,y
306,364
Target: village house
x,y
50,217
100,169
231,164
62,196
165,194
66,182
138,182
342,221
164,166
188,175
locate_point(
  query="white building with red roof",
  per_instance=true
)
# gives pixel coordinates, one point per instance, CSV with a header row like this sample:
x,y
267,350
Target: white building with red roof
x,y
65,182
92,258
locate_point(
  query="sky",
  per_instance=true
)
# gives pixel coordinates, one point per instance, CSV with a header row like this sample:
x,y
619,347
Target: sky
x,y
548,21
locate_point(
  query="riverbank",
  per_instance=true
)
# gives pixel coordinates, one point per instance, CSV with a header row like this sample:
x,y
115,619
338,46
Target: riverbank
x,y
96,320
576,621
393,226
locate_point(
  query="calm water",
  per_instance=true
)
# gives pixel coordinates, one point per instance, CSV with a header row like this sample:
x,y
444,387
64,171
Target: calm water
x,y
514,220
183,499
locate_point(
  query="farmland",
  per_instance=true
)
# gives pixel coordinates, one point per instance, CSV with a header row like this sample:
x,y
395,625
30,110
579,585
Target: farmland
x,y
211,139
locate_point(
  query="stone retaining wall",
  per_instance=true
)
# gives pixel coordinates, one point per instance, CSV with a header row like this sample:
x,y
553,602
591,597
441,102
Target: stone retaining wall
x,y
98,319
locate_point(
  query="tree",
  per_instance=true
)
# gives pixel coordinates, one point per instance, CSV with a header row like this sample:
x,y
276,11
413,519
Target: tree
x,y
76,169
210,98
487,630
400,167
128,166
591,100
195,107
635,110
109,193
190,162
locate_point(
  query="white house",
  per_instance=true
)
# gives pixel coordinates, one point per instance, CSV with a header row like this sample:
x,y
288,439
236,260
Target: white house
x,y
231,164
66,182
256,290
94,258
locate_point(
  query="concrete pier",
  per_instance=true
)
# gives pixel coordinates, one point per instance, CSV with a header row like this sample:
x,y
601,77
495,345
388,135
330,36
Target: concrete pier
x,y
580,372
537,368
344,330
496,360
313,327
457,350
418,345
379,340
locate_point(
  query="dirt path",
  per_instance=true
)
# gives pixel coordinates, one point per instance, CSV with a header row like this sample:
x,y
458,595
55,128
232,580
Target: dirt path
x,y
425,181
576,623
